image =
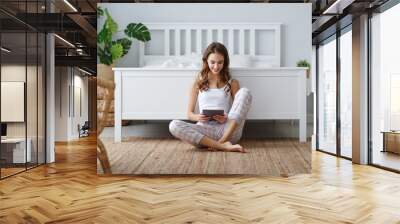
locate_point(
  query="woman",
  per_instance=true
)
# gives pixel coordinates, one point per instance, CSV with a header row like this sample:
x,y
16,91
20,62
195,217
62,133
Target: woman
x,y
214,88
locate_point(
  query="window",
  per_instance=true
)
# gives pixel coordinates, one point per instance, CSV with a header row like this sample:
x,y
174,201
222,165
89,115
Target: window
x,y
385,85
346,93
327,96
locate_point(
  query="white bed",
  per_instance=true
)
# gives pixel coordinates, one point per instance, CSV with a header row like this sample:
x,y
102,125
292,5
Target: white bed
x,y
158,89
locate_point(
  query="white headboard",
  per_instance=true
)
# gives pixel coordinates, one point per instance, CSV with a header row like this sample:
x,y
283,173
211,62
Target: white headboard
x,y
261,42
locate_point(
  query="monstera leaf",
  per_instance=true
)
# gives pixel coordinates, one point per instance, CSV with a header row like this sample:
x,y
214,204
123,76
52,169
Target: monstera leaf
x,y
125,43
110,27
104,56
138,31
104,36
110,50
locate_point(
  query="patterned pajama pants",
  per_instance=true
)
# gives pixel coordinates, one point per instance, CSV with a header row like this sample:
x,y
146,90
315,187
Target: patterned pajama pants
x,y
193,133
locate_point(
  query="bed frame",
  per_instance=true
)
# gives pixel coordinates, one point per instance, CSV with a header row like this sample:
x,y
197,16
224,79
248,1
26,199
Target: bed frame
x,y
162,93
260,41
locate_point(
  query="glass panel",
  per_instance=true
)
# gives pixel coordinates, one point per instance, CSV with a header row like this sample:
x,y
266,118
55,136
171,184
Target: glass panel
x,y
13,85
346,94
23,88
31,98
385,84
327,97
32,86
41,98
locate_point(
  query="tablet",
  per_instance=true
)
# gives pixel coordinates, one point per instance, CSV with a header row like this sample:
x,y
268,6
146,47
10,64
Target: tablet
x,y
212,112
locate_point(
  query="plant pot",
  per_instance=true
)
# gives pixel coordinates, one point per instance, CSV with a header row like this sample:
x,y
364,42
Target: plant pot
x,y
105,72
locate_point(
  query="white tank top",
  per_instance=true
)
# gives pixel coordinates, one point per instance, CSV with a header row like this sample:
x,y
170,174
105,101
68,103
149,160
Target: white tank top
x,y
215,98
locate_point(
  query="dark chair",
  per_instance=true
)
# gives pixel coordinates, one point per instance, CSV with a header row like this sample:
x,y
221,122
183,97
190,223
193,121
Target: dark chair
x,y
84,130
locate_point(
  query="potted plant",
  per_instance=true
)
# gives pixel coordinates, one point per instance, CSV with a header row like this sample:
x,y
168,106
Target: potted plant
x,y
304,63
109,49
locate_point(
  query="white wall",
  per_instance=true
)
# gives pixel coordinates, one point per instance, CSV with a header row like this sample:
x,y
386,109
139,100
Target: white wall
x,y
33,126
61,103
295,19
68,81
12,73
80,82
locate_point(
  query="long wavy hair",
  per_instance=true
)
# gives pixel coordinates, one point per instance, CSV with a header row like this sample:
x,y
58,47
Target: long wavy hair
x,y
202,79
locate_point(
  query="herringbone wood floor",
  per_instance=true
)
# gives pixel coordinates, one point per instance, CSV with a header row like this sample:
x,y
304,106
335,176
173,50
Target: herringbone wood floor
x,y
273,157
69,191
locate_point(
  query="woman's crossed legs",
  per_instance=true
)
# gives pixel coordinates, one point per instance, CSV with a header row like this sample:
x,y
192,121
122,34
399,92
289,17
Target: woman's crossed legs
x,y
217,136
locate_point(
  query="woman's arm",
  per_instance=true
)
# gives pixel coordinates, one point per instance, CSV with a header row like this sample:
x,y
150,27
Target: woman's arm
x,y
194,91
234,87
192,101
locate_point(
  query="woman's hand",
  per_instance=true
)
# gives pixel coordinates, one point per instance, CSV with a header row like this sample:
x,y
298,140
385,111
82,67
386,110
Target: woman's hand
x,y
202,118
220,118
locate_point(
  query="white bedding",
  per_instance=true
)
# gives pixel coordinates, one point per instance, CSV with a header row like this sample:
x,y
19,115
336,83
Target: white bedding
x,y
194,61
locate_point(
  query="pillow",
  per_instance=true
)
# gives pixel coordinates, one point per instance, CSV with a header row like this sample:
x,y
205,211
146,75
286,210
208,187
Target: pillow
x,y
154,63
241,61
191,61
182,62
260,64
169,63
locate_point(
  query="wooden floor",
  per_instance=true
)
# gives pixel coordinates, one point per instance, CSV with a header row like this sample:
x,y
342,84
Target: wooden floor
x,y
69,191
10,171
274,157
387,159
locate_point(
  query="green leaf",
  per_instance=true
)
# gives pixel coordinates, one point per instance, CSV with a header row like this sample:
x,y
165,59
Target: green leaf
x,y
116,51
104,56
303,63
100,12
126,45
138,31
104,36
110,23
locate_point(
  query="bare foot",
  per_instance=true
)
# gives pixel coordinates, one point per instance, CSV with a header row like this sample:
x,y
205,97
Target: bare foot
x,y
233,148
